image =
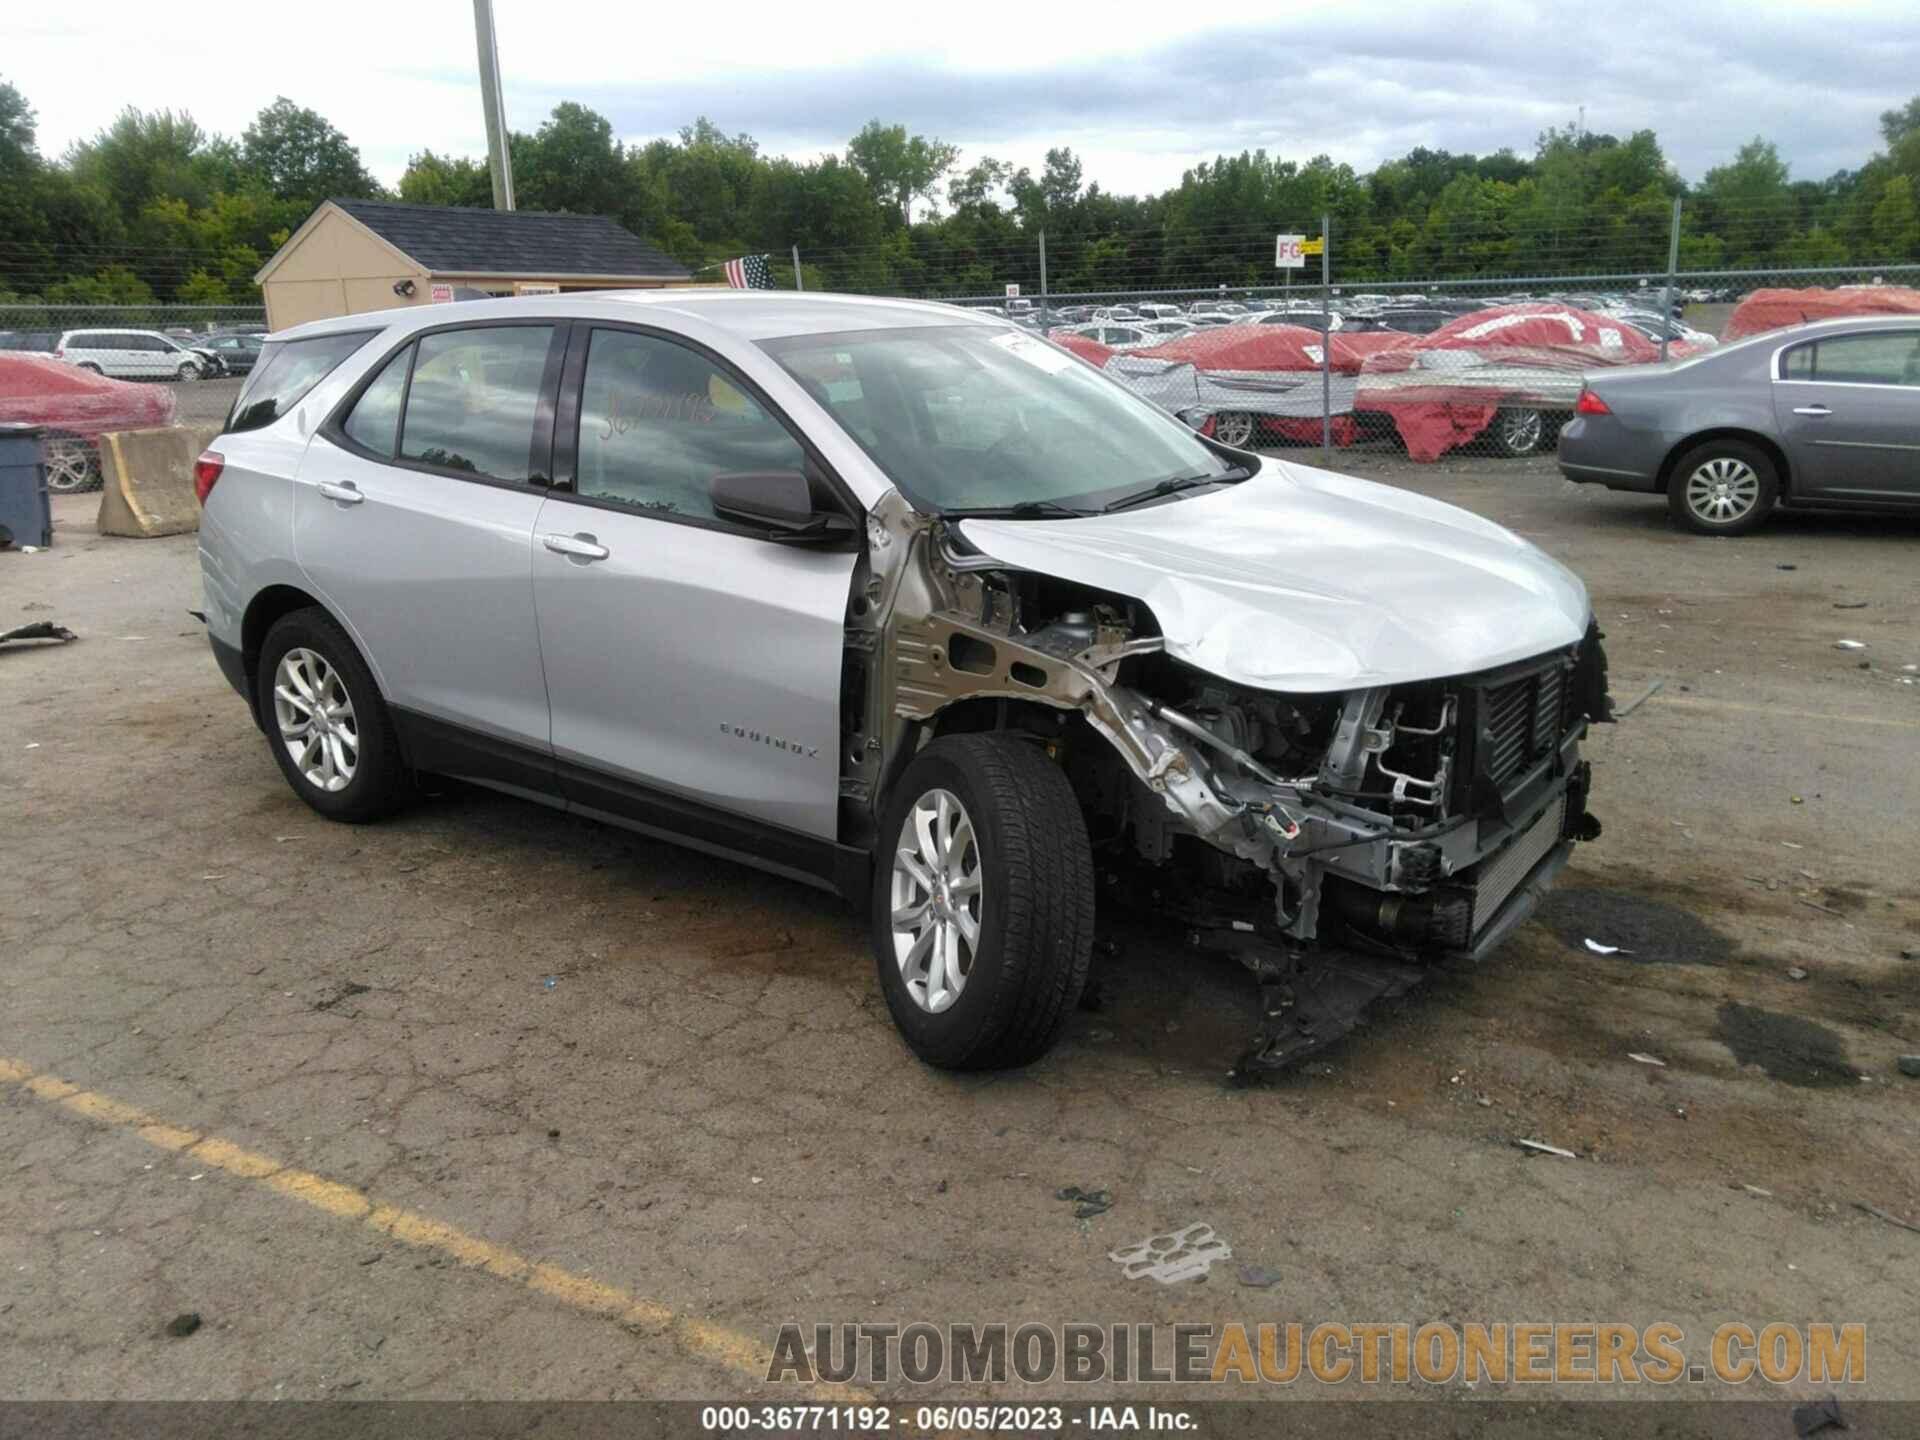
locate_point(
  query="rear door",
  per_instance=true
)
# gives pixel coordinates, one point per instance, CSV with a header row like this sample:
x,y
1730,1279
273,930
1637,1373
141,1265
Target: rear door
x,y
1848,407
414,520
693,667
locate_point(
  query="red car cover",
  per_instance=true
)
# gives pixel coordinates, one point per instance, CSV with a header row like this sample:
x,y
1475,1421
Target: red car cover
x,y
1765,310
1443,389
63,397
1085,346
1272,347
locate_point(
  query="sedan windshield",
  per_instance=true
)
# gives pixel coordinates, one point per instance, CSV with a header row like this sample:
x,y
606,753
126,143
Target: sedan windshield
x,y
972,417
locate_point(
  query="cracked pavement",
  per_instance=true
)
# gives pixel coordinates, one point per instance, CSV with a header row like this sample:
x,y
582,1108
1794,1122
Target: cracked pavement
x,y
663,1073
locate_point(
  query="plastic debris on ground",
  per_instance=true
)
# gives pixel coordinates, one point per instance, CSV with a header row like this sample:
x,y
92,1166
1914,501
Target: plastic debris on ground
x,y
38,630
1540,1147
1185,1254
1597,948
1645,1059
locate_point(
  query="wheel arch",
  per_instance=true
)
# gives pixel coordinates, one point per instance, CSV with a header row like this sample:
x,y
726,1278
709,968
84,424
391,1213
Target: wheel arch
x,y
263,611
1763,443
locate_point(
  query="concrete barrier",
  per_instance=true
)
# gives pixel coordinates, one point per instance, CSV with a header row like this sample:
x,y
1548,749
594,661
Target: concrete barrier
x,y
147,480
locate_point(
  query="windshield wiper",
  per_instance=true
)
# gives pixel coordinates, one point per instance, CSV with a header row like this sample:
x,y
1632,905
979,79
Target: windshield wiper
x,y
1173,485
1024,510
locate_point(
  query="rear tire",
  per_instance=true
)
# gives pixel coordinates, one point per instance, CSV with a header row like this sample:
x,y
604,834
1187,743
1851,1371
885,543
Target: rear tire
x,y
1724,487
347,764
1012,864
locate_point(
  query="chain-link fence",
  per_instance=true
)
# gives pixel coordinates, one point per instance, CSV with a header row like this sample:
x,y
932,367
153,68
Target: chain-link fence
x,y
1466,337
82,370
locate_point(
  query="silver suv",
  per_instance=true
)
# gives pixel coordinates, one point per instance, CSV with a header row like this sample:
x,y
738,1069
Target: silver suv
x,y
904,602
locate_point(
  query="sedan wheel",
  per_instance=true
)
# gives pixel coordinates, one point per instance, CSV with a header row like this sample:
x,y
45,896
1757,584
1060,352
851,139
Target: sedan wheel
x,y
1723,490
1725,487
1234,428
188,371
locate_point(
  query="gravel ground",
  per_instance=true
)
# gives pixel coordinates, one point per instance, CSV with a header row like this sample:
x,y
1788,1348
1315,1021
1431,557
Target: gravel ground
x,y
675,1077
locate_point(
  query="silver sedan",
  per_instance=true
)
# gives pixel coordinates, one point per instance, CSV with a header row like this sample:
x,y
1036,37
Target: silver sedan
x,y
1823,415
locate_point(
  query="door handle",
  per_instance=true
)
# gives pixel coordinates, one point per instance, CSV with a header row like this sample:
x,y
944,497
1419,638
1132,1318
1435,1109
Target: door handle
x,y
1811,410
580,547
346,494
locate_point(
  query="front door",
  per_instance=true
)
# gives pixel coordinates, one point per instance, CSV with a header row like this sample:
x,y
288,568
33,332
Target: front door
x,y
1848,407
414,520
691,665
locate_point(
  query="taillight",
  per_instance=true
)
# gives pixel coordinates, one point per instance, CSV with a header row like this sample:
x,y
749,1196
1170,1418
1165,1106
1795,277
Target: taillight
x,y
59,354
1590,404
206,470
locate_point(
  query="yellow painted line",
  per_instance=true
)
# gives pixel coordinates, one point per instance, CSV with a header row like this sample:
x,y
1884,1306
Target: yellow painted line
x,y
703,1339
1697,702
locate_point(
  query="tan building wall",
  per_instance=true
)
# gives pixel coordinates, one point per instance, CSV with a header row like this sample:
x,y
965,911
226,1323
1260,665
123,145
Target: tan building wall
x,y
337,267
334,266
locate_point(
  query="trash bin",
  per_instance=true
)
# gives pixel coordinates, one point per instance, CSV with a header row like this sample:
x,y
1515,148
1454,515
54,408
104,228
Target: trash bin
x,y
26,509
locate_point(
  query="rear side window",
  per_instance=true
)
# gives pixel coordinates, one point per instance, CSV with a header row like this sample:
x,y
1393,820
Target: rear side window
x,y
1881,358
285,372
473,399
375,420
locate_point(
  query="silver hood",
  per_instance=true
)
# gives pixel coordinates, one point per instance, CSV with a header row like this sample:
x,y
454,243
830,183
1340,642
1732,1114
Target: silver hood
x,y
1300,580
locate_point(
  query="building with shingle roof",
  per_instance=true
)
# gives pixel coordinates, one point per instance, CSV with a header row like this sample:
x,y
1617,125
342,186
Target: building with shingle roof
x,y
355,255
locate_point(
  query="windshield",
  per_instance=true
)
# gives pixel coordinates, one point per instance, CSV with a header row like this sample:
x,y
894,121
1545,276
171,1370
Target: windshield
x,y
969,417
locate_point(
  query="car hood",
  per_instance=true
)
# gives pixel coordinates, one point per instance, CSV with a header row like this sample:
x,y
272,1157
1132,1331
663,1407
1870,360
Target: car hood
x,y
1300,580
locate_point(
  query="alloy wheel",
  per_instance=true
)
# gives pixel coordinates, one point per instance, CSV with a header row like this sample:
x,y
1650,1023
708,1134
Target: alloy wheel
x,y
315,715
1521,431
1234,428
70,467
1722,490
936,898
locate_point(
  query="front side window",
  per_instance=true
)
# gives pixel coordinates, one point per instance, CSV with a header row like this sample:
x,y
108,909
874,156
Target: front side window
x,y
658,421
968,417
473,399
285,372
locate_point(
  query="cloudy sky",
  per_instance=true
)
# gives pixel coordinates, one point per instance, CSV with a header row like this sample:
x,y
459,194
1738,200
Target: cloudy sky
x,y
1138,90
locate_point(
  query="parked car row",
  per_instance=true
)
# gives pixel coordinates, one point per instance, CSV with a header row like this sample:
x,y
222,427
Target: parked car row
x,y
123,354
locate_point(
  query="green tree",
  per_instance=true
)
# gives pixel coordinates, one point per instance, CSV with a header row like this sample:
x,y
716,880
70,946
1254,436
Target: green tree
x,y
295,154
432,179
113,285
571,163
900,168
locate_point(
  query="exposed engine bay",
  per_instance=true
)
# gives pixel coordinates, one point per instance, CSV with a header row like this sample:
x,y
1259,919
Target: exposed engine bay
x,y
1336,844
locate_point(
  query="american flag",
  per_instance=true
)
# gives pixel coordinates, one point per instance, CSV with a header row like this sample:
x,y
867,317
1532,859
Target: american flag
x,y
749,272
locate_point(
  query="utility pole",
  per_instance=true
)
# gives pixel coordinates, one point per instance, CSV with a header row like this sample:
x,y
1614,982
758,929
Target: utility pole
x,y
499,162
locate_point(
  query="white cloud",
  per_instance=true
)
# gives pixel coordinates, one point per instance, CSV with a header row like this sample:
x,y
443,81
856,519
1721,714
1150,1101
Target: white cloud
x,y
1138,92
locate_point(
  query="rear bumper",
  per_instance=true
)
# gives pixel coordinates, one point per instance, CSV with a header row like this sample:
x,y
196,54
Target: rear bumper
x,y
1600,451
233,665
1612,479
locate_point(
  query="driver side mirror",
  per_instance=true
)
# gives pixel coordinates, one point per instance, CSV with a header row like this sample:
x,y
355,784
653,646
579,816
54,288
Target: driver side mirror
x,y
780,501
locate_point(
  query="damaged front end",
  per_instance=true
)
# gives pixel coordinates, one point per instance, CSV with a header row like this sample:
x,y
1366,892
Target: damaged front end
x,y
1336,844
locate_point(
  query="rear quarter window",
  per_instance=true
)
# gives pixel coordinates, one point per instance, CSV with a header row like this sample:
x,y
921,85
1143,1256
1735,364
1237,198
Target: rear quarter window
x,y
285,372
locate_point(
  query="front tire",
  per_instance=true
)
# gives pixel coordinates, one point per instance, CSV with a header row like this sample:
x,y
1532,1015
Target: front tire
x,y
188,371
1234,428
982,903
329,729
1724,487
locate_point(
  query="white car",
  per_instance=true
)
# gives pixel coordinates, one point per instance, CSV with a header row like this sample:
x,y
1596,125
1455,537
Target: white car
x,y
131,355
